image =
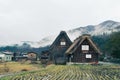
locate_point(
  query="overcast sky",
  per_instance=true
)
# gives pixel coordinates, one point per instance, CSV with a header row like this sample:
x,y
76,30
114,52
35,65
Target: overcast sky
x,y
32,20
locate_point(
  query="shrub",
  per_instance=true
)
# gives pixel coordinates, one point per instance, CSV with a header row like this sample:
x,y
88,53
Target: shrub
x,y
24,70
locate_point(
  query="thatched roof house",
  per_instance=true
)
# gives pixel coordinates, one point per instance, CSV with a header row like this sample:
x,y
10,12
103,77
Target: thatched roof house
x,y
83,50
58,48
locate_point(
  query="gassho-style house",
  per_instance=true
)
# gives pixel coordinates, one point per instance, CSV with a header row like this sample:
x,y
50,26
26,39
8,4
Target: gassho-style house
x,y
82,50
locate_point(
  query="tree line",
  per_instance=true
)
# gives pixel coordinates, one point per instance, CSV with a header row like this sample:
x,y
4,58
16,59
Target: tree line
x,y
109,44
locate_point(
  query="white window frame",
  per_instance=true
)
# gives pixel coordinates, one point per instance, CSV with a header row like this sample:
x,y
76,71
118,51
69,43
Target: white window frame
x,y
62,43
85,47
88,56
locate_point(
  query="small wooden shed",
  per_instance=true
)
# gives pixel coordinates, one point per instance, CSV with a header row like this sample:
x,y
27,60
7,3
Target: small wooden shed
x,y
83,50
58,48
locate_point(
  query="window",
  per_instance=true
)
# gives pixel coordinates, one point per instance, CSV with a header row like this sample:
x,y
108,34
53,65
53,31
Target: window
x,y
7,58
62,43
88,56
85,47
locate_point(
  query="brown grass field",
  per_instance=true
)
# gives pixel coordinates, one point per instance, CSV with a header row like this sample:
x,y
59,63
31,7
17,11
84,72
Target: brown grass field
x,y
9,67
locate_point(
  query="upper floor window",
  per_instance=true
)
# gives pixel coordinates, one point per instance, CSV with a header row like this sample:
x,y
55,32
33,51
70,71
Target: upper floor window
x,y
62,43
85,47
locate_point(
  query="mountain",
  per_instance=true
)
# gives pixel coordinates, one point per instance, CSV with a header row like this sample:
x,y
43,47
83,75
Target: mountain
x,y
105,27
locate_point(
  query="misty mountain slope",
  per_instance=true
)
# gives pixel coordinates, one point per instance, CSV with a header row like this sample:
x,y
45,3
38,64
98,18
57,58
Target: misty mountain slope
x,y
79,31
106,27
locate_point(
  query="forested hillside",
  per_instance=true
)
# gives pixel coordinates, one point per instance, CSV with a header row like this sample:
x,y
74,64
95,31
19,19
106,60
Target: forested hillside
x,y
23,48
109,44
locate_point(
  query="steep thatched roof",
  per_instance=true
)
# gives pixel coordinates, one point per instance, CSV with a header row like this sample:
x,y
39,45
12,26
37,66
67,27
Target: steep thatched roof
x,y
62,33
78,42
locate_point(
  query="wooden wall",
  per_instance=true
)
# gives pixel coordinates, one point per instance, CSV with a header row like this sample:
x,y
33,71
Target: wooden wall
x,y
80,56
